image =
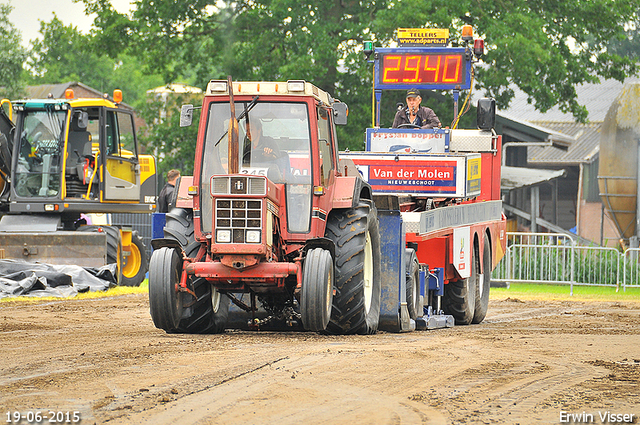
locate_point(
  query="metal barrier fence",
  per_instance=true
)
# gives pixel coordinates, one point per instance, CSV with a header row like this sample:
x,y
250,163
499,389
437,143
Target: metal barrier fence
x,y
557,258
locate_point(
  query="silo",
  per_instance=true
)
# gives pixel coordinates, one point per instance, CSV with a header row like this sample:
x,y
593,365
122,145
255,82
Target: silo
x,y
619,159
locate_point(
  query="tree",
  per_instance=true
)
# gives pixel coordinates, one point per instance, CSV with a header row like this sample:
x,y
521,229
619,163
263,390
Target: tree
x,y
267,39
12,56
174,146
540,46
64,54
627,44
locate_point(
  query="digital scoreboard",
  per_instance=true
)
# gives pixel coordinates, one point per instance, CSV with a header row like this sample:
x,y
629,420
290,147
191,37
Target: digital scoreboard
x,y
422,68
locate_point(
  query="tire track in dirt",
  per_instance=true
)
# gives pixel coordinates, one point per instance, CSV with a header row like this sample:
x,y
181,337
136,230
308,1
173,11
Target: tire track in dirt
x,y
507,393
302,389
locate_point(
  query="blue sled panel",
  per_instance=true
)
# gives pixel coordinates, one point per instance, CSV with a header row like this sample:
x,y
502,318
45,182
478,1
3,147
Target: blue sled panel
x,y
158,221
394,315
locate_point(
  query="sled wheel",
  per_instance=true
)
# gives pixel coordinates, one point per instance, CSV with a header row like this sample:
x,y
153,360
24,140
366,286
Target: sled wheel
x,y
460,296
356,302
484,284
317,290
165,302
135,264
413,284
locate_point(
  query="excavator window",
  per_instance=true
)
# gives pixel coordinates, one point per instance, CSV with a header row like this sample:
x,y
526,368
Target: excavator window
x,y
40,153
120,135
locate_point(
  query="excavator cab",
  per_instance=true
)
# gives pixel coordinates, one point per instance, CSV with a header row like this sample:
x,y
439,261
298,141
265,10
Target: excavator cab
x,y
77,151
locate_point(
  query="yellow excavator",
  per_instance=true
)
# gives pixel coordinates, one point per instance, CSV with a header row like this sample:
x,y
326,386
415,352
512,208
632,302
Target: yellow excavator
x,y
62,160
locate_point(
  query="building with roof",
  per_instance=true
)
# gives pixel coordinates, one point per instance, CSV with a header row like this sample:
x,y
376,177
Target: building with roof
x,y
554,142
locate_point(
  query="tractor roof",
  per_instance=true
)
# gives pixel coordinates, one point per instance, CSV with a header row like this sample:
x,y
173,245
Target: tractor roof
x,y
269,88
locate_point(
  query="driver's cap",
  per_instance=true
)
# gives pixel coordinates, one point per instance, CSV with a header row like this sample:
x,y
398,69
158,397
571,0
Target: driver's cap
x,y
413,93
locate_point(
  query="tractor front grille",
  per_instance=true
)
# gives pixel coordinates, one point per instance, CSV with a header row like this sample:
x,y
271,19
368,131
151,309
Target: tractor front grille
x,y
238,220
238,185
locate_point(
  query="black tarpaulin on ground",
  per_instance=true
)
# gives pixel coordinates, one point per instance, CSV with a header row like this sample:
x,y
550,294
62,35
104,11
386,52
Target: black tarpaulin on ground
x,y
19,278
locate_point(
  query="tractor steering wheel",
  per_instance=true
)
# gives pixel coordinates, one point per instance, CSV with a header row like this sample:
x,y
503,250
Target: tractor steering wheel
x,y
408,126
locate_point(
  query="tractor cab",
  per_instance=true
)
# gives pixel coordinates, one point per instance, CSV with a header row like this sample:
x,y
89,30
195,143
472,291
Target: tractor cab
x,y
285,132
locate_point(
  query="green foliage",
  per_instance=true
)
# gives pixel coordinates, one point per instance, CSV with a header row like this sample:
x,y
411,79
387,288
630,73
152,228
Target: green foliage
x,y
12,56
64,55
538,46
545,48
174,146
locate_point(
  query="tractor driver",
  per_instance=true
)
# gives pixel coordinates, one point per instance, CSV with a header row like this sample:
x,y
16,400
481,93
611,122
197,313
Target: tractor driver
x,y
257,147
414,115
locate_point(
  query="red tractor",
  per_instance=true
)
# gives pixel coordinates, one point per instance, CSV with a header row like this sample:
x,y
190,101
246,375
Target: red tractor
x,y
272,222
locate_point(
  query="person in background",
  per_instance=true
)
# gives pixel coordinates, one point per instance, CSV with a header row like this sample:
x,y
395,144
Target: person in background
x,y
167,199
414,114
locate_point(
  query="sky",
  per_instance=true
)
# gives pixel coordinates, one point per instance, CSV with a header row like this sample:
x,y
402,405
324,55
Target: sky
x,y
27,14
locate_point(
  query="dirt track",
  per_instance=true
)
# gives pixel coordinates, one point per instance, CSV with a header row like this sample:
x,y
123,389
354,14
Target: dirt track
x,y
527,363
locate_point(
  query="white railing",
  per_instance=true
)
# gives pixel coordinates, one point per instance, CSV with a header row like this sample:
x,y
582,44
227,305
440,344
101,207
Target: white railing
x,y
558,259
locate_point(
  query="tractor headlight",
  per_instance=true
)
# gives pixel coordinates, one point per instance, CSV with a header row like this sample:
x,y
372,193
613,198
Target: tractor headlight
x,y
223,236
253,236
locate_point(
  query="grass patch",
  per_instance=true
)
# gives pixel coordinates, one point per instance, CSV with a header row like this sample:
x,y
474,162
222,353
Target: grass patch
x,y
112,292
562,292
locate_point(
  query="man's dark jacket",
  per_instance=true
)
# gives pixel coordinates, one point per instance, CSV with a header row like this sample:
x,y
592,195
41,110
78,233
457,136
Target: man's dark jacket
x,y
426,118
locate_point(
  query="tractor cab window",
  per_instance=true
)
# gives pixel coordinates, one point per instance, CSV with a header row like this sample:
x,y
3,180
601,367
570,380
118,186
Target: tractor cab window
x,y
324,145
40,153
274,141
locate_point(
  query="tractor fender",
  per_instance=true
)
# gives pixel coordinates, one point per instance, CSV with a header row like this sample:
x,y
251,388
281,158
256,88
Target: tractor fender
x,y
349,190
324,243
165,243
183,199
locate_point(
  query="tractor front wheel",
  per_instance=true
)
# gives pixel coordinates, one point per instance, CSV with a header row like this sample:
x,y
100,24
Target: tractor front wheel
x,y
208,311
317,290
165,302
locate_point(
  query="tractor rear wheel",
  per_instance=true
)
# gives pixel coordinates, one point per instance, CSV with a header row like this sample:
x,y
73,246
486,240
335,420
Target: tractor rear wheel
x,y
165,302
459,298
208,312
356,302
316,296
134,266
484,284
413,284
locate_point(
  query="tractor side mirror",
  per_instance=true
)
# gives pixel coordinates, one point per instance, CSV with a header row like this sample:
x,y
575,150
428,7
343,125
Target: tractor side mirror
x,y
186,115
486,114
340,112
